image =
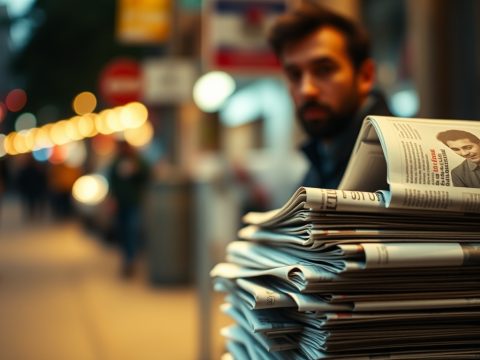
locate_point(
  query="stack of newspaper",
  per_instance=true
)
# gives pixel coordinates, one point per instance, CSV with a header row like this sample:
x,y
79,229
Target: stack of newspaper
x,y
330,276
344,274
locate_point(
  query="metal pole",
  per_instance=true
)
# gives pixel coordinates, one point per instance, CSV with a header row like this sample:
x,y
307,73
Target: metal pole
x,y
202,221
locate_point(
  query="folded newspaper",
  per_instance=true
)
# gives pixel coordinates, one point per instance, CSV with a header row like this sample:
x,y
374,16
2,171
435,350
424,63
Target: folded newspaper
x,y
418,163
385,267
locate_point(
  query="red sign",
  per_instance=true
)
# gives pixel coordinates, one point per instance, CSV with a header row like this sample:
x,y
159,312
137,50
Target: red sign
x,y
121,82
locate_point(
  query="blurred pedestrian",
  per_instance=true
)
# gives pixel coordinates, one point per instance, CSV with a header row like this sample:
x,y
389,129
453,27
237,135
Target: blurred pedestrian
x,y
4,181
128,179
32,187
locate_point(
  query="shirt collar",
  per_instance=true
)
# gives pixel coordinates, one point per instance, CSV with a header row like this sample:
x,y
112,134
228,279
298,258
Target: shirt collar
x,y
472,166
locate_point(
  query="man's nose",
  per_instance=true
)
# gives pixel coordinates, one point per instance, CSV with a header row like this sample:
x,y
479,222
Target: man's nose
x,y
309,86
464,152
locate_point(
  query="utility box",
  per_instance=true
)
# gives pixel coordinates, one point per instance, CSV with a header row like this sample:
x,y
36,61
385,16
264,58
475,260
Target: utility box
x,y
169,244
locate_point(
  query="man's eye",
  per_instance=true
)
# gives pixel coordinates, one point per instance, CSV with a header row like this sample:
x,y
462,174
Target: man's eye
x,y
323,70
293,75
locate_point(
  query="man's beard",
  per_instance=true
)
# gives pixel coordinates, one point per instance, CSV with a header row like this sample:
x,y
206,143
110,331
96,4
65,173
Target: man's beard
x,y
331,125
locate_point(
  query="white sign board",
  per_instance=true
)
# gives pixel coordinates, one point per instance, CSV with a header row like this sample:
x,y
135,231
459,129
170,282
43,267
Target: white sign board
x,y
168,81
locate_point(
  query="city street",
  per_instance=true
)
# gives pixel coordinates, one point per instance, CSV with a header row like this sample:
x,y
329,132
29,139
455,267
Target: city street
x,y
61,297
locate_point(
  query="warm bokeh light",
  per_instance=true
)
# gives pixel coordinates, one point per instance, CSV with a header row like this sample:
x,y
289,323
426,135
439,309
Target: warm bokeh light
x,y
101,122
76,154
86,125
25,121
29,136
16,100
140,136
133,115
8,144
72,129
2,145
19,144
24,141
110,121
84,103
212,89
58,133
90,189
42,138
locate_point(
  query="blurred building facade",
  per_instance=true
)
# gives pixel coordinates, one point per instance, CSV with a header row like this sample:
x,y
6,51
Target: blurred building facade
x,y
426,50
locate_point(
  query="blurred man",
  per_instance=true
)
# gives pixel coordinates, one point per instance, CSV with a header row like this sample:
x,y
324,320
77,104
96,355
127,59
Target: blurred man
x,y
128,178
467,145
330,75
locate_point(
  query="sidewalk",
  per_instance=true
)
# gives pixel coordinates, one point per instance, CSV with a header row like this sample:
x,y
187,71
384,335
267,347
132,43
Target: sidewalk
x,y
61,297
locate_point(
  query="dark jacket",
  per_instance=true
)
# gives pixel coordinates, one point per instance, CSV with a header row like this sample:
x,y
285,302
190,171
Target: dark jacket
x,y
327,164
128,179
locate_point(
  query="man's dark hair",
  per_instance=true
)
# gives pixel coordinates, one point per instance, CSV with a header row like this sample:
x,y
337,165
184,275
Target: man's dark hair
x,y
308,17
450,135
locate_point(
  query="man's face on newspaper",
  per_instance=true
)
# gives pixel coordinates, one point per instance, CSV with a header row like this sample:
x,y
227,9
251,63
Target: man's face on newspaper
x,y
466,148
325,86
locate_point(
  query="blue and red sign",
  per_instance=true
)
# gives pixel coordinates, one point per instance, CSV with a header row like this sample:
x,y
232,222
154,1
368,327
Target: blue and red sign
x,y
236,35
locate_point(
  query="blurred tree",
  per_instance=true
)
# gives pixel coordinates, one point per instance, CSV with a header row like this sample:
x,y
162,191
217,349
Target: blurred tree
x,y
70,45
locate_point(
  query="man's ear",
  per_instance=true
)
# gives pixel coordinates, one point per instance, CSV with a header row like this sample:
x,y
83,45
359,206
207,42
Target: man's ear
x,y
366,77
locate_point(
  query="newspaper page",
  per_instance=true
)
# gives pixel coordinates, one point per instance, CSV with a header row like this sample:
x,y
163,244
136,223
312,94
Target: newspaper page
x,y
317,199
428,163
354,257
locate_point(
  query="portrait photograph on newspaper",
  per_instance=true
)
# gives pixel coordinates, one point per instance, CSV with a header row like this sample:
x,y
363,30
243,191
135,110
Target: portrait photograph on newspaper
x,y
418,163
